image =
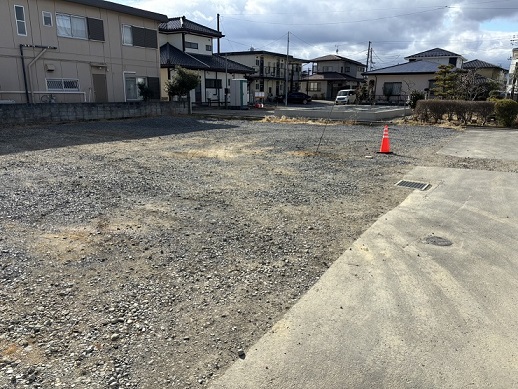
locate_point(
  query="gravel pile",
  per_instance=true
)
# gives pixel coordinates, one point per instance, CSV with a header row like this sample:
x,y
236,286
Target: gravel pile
x,y
152,253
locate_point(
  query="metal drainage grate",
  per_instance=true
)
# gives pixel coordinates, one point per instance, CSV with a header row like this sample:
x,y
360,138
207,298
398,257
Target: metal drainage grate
x,y
413,185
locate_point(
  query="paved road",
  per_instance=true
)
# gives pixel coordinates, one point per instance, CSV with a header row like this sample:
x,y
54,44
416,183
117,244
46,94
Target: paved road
x,y
426,298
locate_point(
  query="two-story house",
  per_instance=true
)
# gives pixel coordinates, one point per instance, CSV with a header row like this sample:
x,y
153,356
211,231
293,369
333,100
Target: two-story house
x,y
270,78
439,56
76,51
332,73
393,84
190,45
487,71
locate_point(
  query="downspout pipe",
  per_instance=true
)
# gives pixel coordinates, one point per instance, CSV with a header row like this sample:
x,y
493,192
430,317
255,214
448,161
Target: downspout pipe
x,y
25,75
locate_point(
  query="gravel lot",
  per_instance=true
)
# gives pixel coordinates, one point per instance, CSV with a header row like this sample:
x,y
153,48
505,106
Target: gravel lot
x,y
152,253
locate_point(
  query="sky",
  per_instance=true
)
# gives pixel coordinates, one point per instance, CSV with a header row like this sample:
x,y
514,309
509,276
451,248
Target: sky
x,y
476,29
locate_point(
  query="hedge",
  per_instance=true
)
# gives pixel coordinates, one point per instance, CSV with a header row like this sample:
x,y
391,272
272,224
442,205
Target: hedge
x,y
464,111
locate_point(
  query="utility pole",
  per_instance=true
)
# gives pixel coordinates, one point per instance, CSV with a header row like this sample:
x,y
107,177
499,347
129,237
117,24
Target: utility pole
x,y
514,79
513,85
286,82
368,56
218,36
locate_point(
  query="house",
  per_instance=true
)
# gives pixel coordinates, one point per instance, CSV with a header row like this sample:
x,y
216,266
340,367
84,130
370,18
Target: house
x,y
269,78
394,83
76,51
332,73
440,56
190,45
488,71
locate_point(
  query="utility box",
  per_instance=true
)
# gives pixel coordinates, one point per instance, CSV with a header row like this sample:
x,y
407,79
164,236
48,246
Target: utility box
x,y
238,94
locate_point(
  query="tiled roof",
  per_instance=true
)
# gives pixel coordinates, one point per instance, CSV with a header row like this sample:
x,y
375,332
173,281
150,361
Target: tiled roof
x,y
122,9
415,67
478,64
171,56
333,57
182,24
332,76
434,53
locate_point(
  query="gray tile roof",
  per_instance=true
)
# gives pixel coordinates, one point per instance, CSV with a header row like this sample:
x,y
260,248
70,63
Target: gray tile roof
x,y
182,24
437,52
414,67
478,64
171,56
122,9
333,57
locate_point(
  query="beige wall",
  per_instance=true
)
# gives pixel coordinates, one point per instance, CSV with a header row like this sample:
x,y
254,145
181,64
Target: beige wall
x,y
409,83
73,58
176,41
441,60
493,73
340,67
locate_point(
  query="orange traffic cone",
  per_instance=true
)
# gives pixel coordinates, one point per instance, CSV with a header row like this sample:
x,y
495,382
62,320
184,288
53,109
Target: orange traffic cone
x,y
385,142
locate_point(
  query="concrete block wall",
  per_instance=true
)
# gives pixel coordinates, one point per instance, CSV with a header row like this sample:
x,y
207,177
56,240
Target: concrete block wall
x,y
26,114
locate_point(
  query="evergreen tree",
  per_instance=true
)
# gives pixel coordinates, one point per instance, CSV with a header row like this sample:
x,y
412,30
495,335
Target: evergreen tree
x,y
445,82
182,83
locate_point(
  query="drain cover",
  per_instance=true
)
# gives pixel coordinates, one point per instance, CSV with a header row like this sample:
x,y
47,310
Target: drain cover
x,y
413,185
437,241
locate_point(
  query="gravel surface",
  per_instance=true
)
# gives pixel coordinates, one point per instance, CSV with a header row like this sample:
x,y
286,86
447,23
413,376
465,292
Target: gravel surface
x,y
152,253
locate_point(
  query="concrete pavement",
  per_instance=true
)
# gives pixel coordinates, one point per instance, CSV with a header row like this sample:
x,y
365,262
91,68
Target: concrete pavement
x,y
427,297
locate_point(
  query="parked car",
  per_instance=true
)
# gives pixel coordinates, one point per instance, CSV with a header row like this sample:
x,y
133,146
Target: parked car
x,y
345,96
296,97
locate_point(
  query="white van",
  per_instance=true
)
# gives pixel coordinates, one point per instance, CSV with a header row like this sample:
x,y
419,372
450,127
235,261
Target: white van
x,y
346,96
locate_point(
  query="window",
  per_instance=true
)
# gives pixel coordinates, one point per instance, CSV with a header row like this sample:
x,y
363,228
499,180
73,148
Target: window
x,y
47,19
71,26
392,88
212,83
347,69
314,87
62,84
138,36
191,45
127,36
19,13
208,47
131,83
327,68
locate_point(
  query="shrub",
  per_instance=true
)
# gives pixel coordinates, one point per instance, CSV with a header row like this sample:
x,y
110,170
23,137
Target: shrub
x,y
506,111
421,112
437,108
484,109
415,96
464,110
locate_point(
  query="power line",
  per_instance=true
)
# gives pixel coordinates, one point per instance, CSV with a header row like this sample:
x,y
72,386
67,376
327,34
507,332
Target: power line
x,y
341,22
